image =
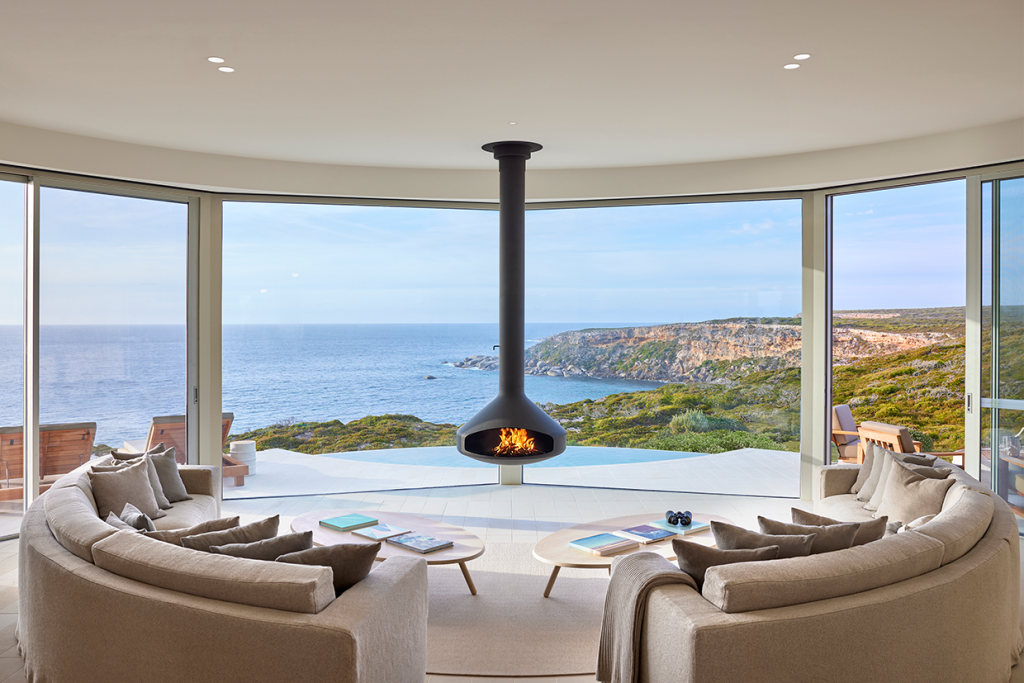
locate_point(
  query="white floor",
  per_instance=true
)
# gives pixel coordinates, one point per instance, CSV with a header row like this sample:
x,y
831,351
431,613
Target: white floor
x,y
748,472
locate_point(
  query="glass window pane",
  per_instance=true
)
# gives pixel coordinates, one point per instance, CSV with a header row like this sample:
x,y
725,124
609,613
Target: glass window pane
x,y
899,275
1011,289
112,317
702,302
12,363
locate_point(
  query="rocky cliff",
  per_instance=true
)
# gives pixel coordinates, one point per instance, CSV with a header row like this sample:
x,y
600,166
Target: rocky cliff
x,y
695,352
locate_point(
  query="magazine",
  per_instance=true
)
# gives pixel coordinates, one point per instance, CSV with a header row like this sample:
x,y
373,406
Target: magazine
x,y
645,533
380,532
348,522
421,543
603,544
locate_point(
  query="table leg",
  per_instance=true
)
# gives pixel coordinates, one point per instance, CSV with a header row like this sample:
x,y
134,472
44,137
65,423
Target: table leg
x,y
469,579
551,581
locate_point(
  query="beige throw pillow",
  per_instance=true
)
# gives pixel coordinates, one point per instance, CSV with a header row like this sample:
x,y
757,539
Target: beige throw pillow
x,y
250,533
695,559
350,562
154,478
136,519
116,522
885,459
269,548
170,479
871,483
827,538
865,469
866,531
730,537
112,490
126,455
174,536
909,495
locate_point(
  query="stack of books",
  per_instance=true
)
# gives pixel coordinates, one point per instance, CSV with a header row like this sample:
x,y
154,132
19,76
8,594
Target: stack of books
x,y
421,543
348,522
645,533
603,544
679,529
371,528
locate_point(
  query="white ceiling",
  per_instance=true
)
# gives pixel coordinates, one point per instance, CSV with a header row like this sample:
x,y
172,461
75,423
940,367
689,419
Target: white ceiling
x,y
422,84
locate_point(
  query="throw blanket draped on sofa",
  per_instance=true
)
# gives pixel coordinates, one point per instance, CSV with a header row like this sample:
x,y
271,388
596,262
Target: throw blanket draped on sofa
x,y
633,578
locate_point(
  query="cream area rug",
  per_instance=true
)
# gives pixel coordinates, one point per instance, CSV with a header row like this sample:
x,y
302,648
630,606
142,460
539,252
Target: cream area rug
x,y
509,628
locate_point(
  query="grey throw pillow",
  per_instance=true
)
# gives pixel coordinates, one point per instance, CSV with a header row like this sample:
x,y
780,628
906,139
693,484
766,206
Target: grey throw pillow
x,y
167,470
125,485
828,538
350,562
126,455
269,548
116,522
730,537
866,531
927,470
865,469
871,482
136,519
174,536
695,559
919,522
154,479
886,459
909,495
249,533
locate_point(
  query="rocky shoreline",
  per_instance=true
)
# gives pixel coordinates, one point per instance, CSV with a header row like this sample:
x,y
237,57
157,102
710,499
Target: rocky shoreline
x,y
532,367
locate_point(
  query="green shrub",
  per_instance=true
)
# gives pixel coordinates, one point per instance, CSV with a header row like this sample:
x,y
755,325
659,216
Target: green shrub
x,y
927,442
717,441
688,422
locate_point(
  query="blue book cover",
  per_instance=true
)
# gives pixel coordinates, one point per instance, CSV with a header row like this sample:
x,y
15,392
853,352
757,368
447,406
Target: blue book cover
x,y
348,522
602,544
692,528
421,543
380,532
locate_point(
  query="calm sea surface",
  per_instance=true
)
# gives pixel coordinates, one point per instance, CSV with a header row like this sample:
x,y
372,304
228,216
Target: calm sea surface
x,y
121,376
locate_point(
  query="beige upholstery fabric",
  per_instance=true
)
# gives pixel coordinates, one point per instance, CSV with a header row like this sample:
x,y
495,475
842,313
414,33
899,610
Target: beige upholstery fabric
x,y
127,485
174,536
695,559
219,577
188,513
731,537
834,480
912,495
135,518
374,633
73,520
167,470
874,476
866,531
743,588
269,549
963,524
827,538
350,562
885,460
845,506
116,522
201,479
248,533
154,478
865,468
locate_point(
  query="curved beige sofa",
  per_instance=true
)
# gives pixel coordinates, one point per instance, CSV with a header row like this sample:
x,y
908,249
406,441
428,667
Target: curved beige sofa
x,y
198,616
941,603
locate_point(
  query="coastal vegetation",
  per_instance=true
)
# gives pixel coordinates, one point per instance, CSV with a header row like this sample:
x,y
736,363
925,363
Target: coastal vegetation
x,y
729,384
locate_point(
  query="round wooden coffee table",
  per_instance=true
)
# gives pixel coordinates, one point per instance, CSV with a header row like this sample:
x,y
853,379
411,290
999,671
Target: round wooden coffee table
x,y
554,548
466,546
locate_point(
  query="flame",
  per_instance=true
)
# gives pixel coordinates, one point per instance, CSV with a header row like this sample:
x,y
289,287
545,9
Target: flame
x,y
516,442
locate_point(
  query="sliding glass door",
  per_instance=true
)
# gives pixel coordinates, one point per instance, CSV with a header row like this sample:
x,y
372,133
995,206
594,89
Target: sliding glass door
x,y
1002,400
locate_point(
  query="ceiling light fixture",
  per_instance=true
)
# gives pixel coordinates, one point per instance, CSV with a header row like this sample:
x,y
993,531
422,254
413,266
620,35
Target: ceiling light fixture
x,y
215,60
511,123
228,69
791,66
803,55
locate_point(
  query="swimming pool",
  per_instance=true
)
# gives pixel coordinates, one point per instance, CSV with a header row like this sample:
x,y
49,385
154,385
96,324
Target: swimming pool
x,y
574,456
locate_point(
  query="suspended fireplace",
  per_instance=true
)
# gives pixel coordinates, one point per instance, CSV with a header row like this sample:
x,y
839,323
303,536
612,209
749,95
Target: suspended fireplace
x,y
511,429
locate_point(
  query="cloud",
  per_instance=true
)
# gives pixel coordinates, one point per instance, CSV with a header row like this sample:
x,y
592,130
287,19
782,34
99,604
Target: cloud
x,y
754,228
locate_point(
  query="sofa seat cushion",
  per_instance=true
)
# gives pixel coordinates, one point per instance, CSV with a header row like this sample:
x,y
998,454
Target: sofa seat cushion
x,y
960,526
275,585
73,521
764,585
188,513
845,507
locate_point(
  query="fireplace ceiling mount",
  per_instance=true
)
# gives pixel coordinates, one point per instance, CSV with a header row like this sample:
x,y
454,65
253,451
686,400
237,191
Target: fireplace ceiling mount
x,y
481,437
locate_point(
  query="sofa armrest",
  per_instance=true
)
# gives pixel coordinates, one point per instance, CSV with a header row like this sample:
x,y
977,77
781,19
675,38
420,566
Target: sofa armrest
x,y
201,479
386,617
834,480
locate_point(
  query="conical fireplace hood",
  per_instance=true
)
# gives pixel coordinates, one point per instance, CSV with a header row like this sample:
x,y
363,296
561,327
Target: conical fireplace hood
x,y
511,409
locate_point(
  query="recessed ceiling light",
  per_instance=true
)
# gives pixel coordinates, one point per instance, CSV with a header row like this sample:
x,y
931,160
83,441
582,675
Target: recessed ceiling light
x,y
803,55
511,123
788,66
215,60
228,69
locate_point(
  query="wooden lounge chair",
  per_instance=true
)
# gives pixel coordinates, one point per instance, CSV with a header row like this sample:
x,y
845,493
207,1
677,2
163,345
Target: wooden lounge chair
x,y
170,430
898,440
845,435
62,448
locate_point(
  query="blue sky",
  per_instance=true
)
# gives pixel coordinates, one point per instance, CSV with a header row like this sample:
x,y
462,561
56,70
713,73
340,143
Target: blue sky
x,y
122,260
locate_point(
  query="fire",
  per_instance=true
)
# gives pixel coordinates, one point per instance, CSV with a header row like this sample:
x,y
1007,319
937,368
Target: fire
x,y
516,442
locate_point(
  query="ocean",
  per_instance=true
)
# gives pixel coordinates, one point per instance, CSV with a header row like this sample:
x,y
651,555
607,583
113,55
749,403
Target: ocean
x,y
120,376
